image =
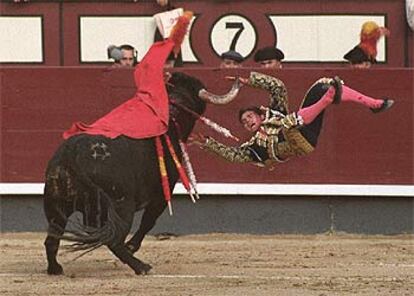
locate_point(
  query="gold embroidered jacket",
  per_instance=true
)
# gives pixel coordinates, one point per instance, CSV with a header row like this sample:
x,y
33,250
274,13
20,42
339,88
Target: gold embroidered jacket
x,y
277,138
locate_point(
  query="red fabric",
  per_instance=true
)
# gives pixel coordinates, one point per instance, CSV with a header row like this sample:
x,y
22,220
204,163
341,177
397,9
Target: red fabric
x,y
146,114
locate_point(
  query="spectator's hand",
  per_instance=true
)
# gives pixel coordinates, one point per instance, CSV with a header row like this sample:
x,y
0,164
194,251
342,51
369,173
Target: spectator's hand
x,y
197,139
241,79
162,2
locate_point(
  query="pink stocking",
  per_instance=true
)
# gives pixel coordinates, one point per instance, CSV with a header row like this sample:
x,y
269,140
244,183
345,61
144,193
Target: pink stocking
x,y
350,95
309,113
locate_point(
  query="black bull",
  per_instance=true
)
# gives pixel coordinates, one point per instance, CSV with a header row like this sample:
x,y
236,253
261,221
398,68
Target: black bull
x,y
108,180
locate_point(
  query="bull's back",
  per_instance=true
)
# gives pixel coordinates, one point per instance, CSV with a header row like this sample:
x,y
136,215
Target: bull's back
x,y
109,163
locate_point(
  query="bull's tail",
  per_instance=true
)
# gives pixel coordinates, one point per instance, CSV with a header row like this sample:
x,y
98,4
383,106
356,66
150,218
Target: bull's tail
x,y
87,238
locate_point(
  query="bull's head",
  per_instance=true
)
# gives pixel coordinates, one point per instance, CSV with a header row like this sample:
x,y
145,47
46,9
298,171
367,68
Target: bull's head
x,y
188,93
185,90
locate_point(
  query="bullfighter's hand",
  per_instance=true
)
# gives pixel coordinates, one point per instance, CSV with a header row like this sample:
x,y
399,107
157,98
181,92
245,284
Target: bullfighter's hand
x,y
197,139
241,79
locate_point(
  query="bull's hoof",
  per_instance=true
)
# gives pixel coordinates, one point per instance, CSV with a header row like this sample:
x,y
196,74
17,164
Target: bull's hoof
x,y
55,269
143,269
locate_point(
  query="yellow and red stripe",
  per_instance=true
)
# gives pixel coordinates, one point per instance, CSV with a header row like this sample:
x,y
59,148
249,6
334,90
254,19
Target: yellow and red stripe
x,y
180,169
163,170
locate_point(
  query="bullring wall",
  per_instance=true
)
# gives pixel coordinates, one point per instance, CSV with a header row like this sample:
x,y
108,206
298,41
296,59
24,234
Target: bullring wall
x,y
355,147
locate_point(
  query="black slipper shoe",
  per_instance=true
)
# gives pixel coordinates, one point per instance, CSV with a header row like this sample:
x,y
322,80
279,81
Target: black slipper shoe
x,y
386,104
337,84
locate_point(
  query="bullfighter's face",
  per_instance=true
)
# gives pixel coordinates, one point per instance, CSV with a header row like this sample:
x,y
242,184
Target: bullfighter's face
x,y
251,120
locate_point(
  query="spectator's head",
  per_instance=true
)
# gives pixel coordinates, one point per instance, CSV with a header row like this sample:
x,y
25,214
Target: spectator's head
x,y
129,55
123,56
269,57
231,59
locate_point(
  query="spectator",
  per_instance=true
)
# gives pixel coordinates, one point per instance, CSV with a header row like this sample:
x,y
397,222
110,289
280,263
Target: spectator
x,y
231,59
123,56
358,59
269,57
129,56
364,54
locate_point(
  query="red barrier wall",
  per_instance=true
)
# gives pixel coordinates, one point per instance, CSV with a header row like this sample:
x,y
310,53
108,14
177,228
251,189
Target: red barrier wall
x,y
355,147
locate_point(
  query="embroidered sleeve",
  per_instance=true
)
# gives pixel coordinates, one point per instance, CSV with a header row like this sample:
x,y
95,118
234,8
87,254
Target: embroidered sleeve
x,y
240,154
276,87
292,120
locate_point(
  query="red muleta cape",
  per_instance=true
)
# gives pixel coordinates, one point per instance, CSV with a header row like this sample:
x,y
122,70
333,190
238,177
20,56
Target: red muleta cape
x,y
146,114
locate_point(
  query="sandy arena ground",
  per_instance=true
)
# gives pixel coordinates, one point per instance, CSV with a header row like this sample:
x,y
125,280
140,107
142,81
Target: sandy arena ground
x,y
219,264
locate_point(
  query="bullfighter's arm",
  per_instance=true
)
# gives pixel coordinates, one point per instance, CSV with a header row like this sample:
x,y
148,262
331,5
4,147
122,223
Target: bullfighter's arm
x,y
276,87
240,154
277,121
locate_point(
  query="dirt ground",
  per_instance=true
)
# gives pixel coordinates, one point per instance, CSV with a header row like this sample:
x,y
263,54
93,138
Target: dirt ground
x,y
219,264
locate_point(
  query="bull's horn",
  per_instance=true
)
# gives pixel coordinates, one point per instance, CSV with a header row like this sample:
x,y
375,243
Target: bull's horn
x,y
223,99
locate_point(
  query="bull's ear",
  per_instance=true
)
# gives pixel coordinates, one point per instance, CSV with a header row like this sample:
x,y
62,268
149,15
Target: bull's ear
x,y
221,99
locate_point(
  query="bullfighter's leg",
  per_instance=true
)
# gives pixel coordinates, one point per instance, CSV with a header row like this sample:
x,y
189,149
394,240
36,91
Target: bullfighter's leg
x,y
57,222
310,113
339,92
376,105
318,90
148,220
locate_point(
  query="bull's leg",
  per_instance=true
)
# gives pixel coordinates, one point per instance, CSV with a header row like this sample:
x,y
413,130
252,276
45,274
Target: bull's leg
x,y
126,257
52,246
57,223
119,250
148,220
